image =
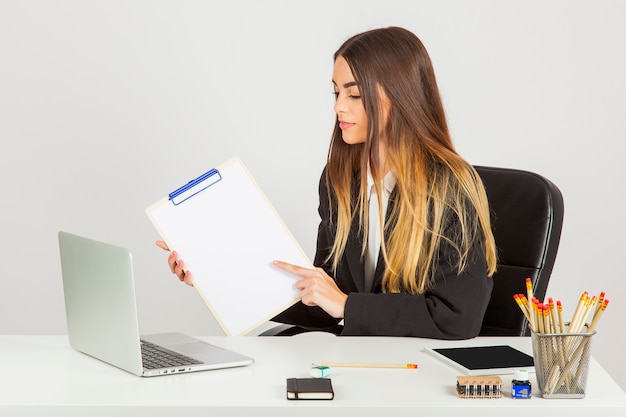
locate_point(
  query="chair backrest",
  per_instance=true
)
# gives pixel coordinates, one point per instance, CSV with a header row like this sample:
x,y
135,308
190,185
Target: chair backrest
x,y
527,217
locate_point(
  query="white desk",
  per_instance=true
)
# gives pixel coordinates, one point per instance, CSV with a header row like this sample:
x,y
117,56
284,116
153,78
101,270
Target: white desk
x,y
42,375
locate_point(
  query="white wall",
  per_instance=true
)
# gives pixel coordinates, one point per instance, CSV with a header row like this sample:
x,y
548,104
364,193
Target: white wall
x,y
105,106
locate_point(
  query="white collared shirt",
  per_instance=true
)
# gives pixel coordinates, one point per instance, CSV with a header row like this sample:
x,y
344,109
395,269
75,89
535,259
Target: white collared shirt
x,y
373,239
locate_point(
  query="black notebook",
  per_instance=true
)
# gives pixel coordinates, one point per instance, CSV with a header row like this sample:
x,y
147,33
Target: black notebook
x,y
485,360
309,389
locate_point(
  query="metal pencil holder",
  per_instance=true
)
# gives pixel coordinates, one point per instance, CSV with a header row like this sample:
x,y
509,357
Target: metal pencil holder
x,y
562,363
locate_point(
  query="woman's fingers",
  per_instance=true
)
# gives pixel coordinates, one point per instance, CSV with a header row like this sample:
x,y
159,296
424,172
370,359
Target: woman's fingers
x,y
173,261
180,270
162,245
299,270
317,288
177,265
185,276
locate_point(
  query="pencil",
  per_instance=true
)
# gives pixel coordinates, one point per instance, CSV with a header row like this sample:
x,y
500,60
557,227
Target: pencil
x,y
523,305
559,308
587,312
546,318
529,296
539,317
600,301
555,323
597,316
576,317
366,365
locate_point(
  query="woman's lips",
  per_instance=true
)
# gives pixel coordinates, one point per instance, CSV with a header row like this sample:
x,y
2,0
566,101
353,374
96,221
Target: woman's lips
x,y
345,125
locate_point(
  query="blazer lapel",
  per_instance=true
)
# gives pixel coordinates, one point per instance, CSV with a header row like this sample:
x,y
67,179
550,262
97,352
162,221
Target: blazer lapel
x,y
378,274
353,256
380,266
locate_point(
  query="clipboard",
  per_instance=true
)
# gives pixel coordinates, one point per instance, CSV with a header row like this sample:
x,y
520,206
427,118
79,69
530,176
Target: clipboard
x,y
228,233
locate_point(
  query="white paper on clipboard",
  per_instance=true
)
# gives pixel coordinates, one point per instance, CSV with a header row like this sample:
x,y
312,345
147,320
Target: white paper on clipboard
x,y
228,233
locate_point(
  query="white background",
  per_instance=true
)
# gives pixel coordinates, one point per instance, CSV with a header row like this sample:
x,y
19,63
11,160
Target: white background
x,y
106,106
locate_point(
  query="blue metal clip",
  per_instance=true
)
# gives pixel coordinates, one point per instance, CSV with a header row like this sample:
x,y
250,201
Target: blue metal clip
x,y
194,187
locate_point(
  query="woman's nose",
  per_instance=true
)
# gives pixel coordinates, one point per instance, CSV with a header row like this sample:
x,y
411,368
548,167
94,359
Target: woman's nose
x,y
340,105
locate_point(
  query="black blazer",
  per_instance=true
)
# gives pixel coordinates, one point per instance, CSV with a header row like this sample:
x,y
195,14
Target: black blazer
x,y
452,309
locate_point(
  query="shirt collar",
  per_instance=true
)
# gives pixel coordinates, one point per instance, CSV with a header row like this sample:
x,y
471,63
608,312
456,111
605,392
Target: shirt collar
x,y
389,182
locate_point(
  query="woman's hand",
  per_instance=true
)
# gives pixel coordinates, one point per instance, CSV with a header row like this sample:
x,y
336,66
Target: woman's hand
x,y
317,289
177,266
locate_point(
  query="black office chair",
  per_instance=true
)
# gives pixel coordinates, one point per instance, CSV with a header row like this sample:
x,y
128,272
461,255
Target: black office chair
x,y
527,217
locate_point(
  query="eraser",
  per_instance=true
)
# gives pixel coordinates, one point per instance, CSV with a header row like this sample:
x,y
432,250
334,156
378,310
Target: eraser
x,y
319,372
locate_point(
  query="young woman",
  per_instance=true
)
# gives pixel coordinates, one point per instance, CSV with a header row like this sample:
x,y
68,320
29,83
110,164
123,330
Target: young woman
x,y
404,245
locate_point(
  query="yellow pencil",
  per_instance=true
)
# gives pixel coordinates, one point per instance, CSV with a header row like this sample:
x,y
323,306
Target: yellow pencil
x,y
559,308
573,324
587,312
597,316
600,301
538,309
546,318
529,291
521,302
555,324
366,365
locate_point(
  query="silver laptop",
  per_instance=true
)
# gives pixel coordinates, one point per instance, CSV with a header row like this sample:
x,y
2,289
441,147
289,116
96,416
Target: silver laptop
x,y
102,320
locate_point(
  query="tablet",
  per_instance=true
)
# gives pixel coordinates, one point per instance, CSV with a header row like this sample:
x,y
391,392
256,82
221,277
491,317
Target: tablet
x,y
484,360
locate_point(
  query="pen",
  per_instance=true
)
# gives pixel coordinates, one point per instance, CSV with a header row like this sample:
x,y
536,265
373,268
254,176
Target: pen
x,y
367,365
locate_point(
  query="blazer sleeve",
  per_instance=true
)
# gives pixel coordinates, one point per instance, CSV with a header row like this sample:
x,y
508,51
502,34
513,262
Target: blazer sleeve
x,y
452,309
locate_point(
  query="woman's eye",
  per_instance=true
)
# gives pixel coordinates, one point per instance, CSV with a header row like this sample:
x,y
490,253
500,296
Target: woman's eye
x,y
353,96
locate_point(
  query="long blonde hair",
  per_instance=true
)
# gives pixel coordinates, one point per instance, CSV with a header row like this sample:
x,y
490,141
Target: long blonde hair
x,y
439,198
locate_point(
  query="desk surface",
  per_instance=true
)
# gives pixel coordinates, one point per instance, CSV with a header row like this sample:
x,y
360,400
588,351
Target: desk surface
x,y
43,375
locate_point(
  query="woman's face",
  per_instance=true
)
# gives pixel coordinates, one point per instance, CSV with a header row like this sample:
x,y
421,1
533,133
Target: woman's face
x,y
348,104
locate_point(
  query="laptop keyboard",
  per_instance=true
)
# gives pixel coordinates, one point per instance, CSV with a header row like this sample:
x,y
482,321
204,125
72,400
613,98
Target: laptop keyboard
x,y
154,357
